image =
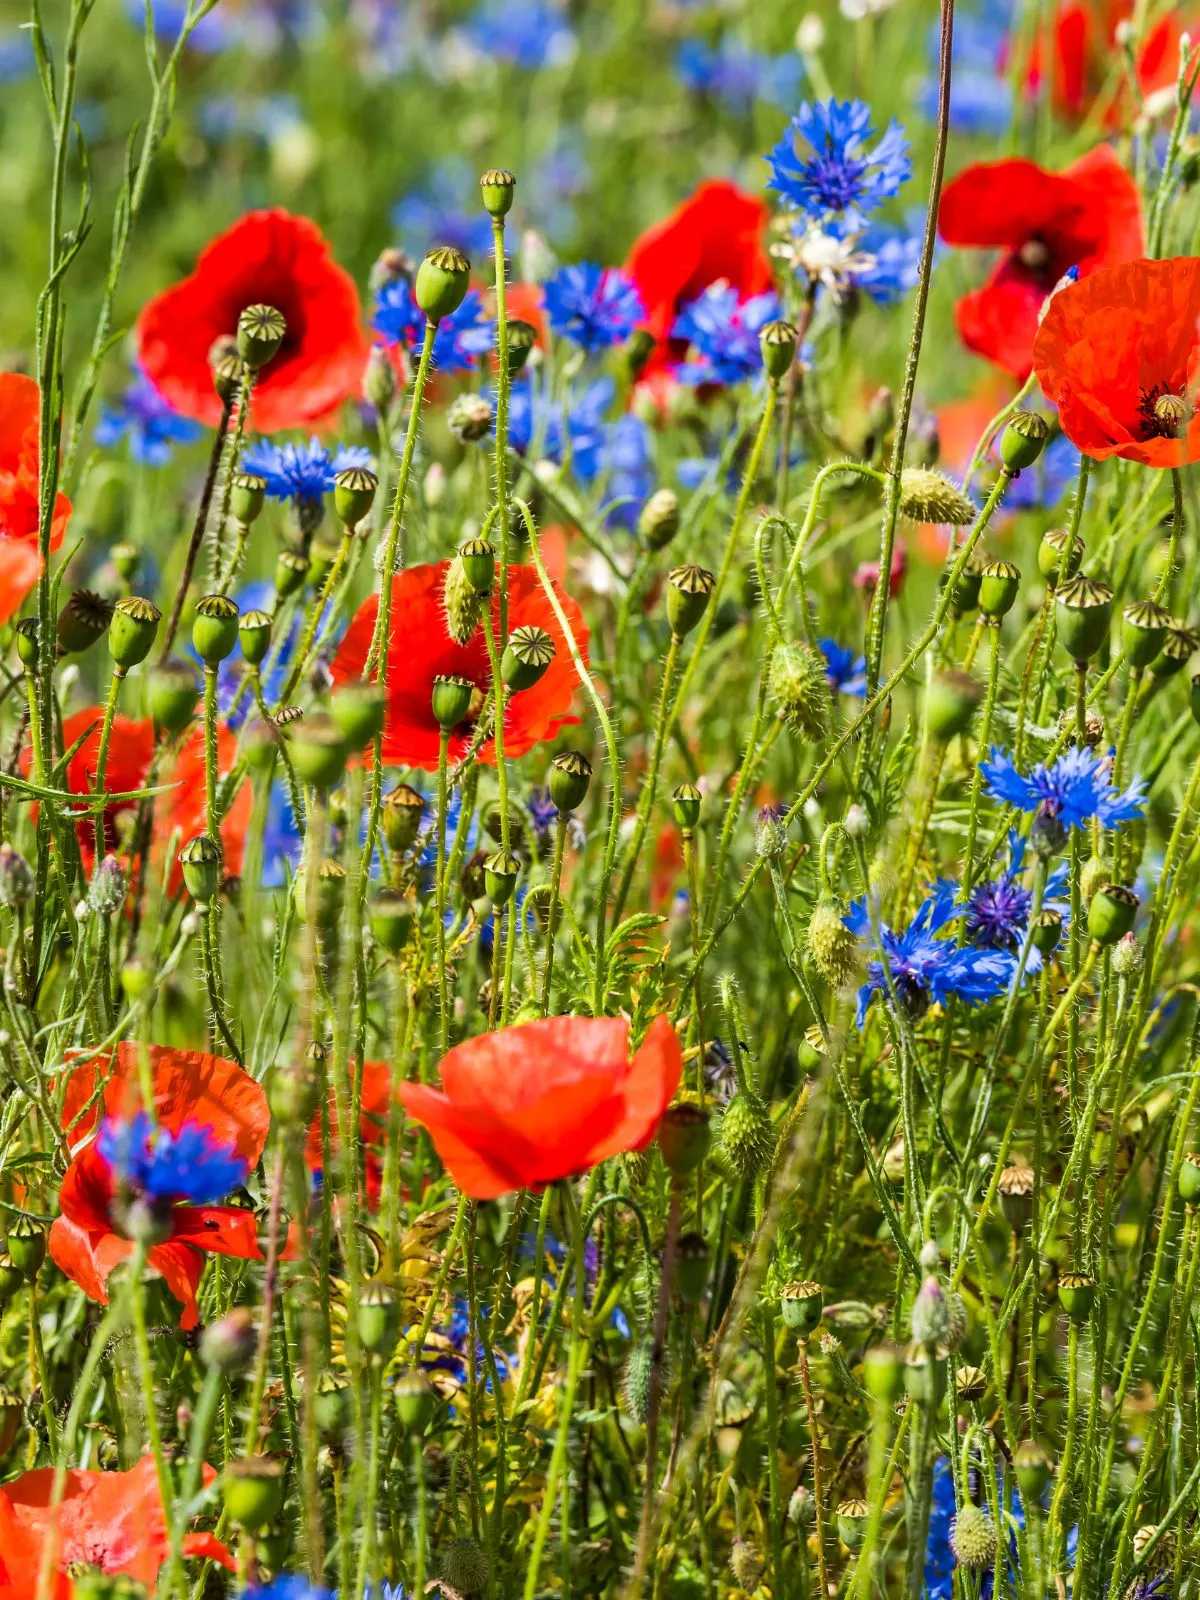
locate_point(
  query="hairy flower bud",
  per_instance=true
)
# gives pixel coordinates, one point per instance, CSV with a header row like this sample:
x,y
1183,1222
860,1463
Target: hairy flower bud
x,y
832,948
930,1317
927,496
747,1138
106,892
800,689
463,602
973,1538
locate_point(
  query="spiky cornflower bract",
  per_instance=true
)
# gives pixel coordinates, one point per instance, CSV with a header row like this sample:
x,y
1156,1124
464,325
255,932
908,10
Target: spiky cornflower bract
x,y
998,909
822,166
845,672
592,306
723,332
1072,790
301,471
150,423
187,1164
460,338
925,968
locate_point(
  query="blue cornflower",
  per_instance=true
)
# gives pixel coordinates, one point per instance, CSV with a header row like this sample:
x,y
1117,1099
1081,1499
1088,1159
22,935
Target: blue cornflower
x,y
445,209
186,1165
148,421
523,33
838,176
736,75
456,1337
845,672
282,840
301,471
460,339
210,35
981,95
543,813
888,264
998,910
925,968
534,420
723,333
1072,791
617,455
289,1586
592,306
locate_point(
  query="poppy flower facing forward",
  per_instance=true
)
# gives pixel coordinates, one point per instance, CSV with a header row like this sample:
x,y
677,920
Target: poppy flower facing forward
x,y
714,236
1045,223
545,1100
1118,355
421,649
113,1521
266,258
124,1178
19,493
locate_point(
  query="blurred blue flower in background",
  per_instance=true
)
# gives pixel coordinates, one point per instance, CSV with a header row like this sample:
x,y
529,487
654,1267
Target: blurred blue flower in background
x,y
523,33
592,306
460,339
738,76
147,421
445,210
301,471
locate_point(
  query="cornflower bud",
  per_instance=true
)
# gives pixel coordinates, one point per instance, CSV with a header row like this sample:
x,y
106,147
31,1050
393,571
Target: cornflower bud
x,y
106,892
930,1317
17,882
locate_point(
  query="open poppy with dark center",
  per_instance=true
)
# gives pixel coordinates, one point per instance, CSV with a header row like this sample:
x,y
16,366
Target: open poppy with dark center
x,y
1119,354
125,1178
546,1100
19,492
266,258
1087,217
421,650
112,1521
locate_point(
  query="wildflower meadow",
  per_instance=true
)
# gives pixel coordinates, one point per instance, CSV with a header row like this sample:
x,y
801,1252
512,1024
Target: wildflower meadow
x,y
599,800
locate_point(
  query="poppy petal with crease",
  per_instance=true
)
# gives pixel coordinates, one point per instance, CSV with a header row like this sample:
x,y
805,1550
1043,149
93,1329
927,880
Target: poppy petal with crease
x,y
546,1100
422,649
1119,353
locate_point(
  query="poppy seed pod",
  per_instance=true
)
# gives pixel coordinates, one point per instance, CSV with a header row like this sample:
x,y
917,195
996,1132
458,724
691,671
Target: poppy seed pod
x,y
247,496
228,373
1059,556
254,632
527,657
569,778
658,522
127,558
801,1305
1047,931
291,569
1189,1179
82,620
12,1279
693,1259
1111,913
496,188
953,699
200,859
925,1375
400,816
852,1518
1179,645
27,1245
378,1316
1015,1188
332,1404
1033,1468
522,336
215,628
883,1372
451,700
359,710
392,914
927,496
321,556
414,1398
777,342
441,282
253,1491
317,748
683,1137
1144,626
354,494
966,589
1077,1295
970,1384
688,591
478,557
500,874
999,585
1084,613
132,629
1023,440
172,689
685,807
260,332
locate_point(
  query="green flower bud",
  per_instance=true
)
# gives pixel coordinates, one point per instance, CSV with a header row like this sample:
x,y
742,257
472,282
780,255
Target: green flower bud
x,y
441,282
683,1136
500,874
131,631
400,816
693,1261
1059,556
522,337
478,557
215,628
527,657
1111,913
747,1138
464,603
82,620
777,343
685,805
247,496
799,686
317,748
414,1398
253,1490
688,592
953,699
569,778
358,709
635,1380
17,882
801,1305
1189,1179
925,1375
927,496
1023,440
883,1372
1143,628
496,188
852,1518
973,1538
1178,647
27,641
658,521
27,1245
1015,1188
747,1565
1084,613
1033,1467
378,1315
201,861
1077,1295
254,631
392,914
291,569
229,1343
465,1567
261,331
354,494
451,701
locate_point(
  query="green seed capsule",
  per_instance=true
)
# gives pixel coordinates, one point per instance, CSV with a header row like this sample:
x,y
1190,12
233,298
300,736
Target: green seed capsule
x,y
261,331
999,586
1077,1295
1023,440
883,1372
132,630
27,641
254,631
688,592
201,861
478,557
215,628
82,620
392,915
27,1245
496,188
253,1490
1033,1468
685,805
925,1376
693,1260
354,494
777,343
291,569
378,1315
451,701
1189,1179
318,750
441,282
1059,556
683,1137
569,778
1084,614
247,496
500,874
400,816
1111,913
852,1517
358,709
332,1405
801,1305
11,1279
414,1398
1143,628
953,699
1178,647
522,337
527,657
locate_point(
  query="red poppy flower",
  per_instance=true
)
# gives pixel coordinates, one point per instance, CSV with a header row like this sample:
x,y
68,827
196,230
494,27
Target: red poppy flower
x,y
374,1109
715,234
19,493
111,1520
546,1100
270,258
189,1087
1087,217
180,812
421,650
1118,355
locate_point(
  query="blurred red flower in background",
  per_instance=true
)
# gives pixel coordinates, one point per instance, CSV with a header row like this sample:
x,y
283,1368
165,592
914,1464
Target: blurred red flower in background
x,y
545,1100
19,492
268,258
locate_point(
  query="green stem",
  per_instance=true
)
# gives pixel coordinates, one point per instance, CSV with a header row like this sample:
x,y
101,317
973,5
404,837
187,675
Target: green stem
x,y
560,841
650,787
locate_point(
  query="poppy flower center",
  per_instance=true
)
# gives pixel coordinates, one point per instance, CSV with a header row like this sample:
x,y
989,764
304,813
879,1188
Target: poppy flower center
x,y
1034,255
1164,414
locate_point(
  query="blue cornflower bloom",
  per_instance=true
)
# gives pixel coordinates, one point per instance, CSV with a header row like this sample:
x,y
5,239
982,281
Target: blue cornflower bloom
x,y
210,35
543,813
289,1586
924,967
1072,791
534,420
998,910
301,471
453,1356
446,209
736,75
845,672
148,421
888,264
617,455
592,306
838,176
523,33
460,339
188,1165
282,840
723,333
